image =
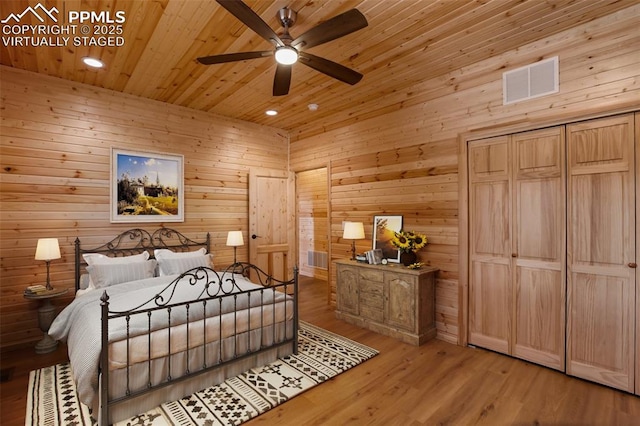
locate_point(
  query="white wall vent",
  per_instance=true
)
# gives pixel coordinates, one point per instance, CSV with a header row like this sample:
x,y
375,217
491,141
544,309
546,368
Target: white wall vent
x,y
317,259
530,82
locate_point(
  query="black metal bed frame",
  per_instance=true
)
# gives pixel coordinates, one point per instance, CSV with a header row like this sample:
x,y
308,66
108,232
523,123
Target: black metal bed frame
x,y
216,287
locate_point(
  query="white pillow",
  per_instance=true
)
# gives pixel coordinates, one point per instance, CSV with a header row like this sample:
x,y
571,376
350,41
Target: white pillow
x,y
106,274
98,258
101,259
178,265
85,281
160,254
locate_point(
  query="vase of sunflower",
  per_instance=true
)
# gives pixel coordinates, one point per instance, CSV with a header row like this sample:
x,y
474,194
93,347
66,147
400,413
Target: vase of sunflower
x,y
408,243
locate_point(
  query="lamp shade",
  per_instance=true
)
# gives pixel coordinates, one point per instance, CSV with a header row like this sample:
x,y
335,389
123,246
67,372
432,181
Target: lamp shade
x,y
234,238
353,231
48,249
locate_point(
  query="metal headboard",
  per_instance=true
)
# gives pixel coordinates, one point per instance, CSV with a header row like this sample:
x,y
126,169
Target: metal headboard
x,y
135,241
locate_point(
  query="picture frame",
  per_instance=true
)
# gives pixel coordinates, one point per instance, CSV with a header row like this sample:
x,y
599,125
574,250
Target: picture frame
x,y
146,187
384,228
374,257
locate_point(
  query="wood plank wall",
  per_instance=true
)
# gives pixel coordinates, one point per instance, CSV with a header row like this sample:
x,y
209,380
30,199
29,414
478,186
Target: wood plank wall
x,y
312,205
55,154
406,161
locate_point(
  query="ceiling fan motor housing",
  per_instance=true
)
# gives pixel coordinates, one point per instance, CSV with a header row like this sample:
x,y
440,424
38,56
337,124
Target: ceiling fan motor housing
x,y
287,17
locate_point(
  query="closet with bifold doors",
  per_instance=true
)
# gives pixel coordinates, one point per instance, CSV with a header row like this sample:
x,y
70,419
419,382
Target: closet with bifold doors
x,y
552,248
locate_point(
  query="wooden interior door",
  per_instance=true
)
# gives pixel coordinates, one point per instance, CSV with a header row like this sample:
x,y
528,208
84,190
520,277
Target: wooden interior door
x,y
637,153
490,298
601,252
539,256
272,222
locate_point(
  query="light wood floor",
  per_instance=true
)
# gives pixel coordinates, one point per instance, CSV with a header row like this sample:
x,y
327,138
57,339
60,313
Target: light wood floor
x,y
434,384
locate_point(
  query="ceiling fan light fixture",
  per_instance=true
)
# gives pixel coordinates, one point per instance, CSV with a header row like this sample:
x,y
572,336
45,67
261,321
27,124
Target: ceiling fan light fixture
x,y
286,55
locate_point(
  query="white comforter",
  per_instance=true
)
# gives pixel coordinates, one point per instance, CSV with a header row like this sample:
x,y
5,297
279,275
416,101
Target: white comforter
x,y
79,323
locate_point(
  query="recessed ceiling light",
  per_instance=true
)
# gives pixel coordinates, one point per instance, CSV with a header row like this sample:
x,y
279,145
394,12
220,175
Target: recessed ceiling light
x,y
271,112
92,62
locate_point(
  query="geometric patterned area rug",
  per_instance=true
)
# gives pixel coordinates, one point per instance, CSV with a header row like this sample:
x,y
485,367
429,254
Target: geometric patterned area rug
x,y
52,398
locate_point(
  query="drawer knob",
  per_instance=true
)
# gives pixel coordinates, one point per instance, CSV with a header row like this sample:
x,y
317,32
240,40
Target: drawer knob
x,y
633,265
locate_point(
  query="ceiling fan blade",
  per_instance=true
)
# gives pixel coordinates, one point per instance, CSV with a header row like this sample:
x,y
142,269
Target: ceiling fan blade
x,y
282,80
330,68
251,19
233,57
334,28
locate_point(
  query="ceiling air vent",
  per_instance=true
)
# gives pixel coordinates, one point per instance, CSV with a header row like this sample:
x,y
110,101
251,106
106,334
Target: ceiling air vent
x,y
530,82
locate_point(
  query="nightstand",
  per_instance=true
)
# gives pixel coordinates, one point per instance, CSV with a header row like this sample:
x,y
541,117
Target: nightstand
x,y
46,314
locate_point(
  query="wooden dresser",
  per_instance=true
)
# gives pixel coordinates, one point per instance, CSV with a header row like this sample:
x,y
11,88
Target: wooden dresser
x,y
388,299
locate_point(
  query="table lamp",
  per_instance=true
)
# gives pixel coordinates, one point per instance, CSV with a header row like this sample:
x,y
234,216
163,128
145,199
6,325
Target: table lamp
x,y
353,231
234,239
48,250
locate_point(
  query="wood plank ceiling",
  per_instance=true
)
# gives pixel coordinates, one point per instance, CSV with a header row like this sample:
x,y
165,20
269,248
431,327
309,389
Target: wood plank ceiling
x,y
406,42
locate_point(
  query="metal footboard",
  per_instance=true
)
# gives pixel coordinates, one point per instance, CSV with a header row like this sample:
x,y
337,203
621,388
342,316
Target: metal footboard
x,y
256,317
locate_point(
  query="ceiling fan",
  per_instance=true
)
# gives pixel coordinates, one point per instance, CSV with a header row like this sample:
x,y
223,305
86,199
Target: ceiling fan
x,y
289,50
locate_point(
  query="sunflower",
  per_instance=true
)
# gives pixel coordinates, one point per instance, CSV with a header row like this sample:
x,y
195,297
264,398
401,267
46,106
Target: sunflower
x,y
408,241
401,241
419,241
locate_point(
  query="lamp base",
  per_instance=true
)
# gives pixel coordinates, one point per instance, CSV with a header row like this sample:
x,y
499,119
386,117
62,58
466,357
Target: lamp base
x,y
48,285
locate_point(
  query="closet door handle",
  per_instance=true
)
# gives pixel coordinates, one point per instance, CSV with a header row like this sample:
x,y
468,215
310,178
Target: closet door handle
x,y
633,265
514,254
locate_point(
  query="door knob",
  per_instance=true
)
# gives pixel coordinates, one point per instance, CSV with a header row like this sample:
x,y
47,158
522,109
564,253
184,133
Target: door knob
x,y
254,236
633,265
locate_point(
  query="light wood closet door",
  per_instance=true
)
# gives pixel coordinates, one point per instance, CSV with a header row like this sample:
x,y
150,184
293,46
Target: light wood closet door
x,y
601,252
490,298
517,282
539,247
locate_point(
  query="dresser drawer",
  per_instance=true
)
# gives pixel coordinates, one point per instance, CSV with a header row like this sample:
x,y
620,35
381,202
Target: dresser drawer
x,y
372,295
371,313
371,300
370,275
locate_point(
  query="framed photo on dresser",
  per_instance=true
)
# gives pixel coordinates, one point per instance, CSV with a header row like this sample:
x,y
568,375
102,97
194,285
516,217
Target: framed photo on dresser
x,y
384,228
